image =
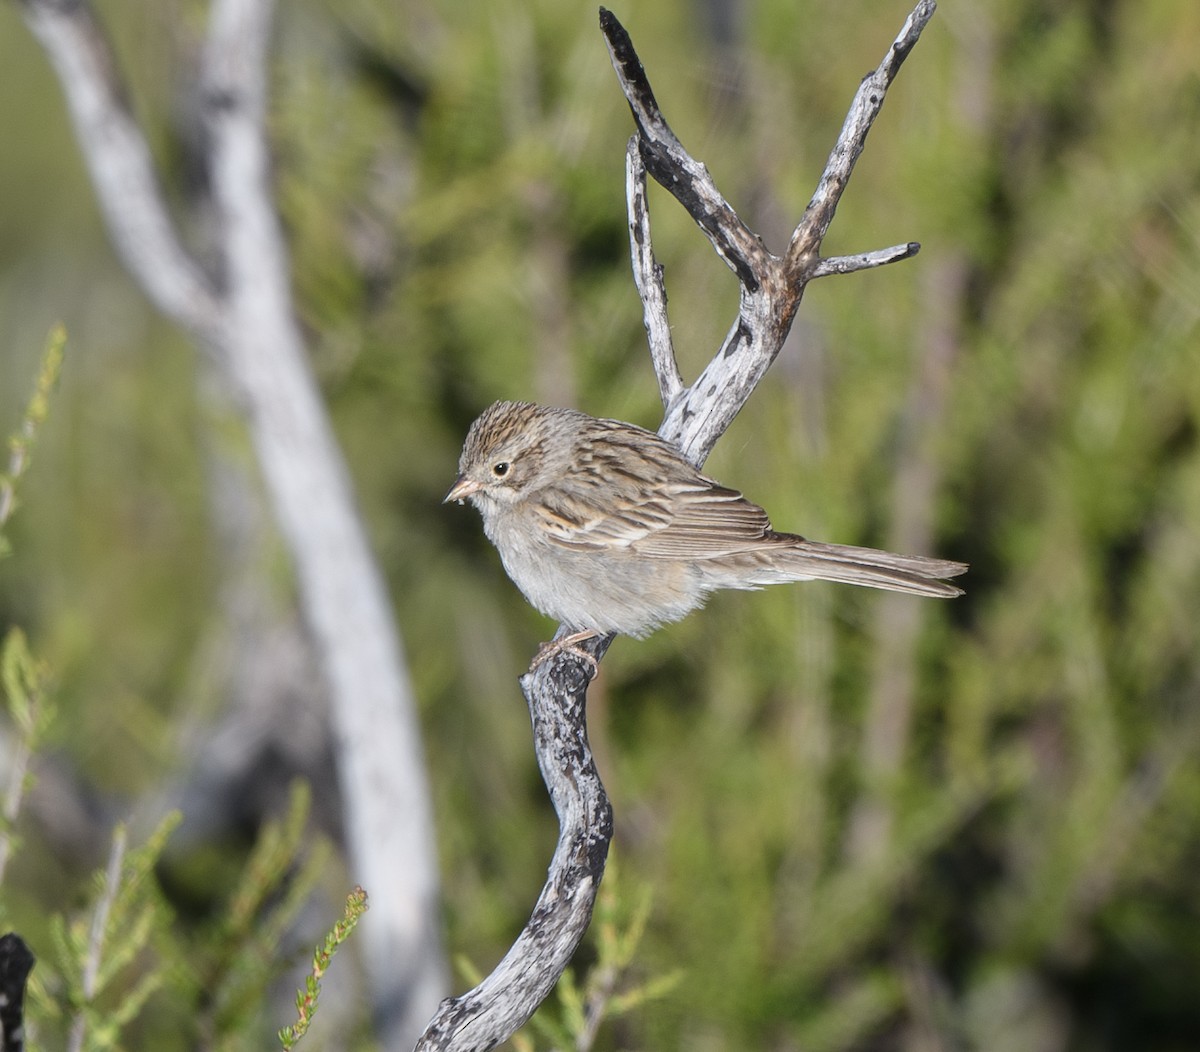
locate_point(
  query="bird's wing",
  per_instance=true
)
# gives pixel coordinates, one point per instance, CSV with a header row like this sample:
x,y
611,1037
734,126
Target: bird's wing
x,y
637,493
709,521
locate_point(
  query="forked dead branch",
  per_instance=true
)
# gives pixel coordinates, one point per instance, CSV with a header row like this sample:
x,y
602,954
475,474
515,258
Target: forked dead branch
x,y
695,417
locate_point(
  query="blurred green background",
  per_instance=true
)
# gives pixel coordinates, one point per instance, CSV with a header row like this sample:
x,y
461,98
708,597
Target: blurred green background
x,y
866,823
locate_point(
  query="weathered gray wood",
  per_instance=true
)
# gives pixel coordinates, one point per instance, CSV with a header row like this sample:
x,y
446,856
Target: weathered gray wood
x,y
695,418
244,319
648,276
487,1015
772,286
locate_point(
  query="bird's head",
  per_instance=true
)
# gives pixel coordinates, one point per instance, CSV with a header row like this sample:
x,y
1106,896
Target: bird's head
x,y
512,450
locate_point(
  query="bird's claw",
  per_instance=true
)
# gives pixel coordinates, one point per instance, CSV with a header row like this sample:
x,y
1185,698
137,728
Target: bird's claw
x,y
567,645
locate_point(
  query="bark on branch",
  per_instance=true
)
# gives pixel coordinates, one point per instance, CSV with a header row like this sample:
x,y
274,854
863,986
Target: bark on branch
x,y
487,1015
696,416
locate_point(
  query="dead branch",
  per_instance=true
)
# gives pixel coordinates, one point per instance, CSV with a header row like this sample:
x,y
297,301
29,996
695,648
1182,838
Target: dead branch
x,y
121,167
696,417
487,1015
648,276
772,286
245,321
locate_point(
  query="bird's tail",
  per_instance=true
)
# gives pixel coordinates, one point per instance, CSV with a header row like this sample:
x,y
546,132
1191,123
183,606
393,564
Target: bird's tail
x,y
871,568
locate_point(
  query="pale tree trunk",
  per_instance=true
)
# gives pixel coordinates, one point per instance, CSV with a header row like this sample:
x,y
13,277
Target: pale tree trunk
x,y
245,321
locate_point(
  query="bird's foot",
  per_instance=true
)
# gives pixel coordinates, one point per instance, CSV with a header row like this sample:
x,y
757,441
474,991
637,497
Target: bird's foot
x,y
567,645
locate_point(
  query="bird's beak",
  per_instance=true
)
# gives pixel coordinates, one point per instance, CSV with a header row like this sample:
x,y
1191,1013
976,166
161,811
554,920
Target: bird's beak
x,y
463,487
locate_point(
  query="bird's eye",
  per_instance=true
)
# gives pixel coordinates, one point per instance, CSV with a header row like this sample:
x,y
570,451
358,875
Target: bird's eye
x,y
500,468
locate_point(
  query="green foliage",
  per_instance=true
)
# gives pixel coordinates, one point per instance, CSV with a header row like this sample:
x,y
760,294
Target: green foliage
x,y
25,681
98,990
306,999
609,988
125,965
21,442
229,967
108,960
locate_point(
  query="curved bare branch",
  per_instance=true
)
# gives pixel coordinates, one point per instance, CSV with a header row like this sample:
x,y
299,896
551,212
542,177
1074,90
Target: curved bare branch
x,y
487,1015
247,321
695,418
122,169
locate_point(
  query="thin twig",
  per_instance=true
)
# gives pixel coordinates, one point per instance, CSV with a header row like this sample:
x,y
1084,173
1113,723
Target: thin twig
x,y
868,101
602,986
95,946
13,795
675,168
17,460
648,276
863,260
20,444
